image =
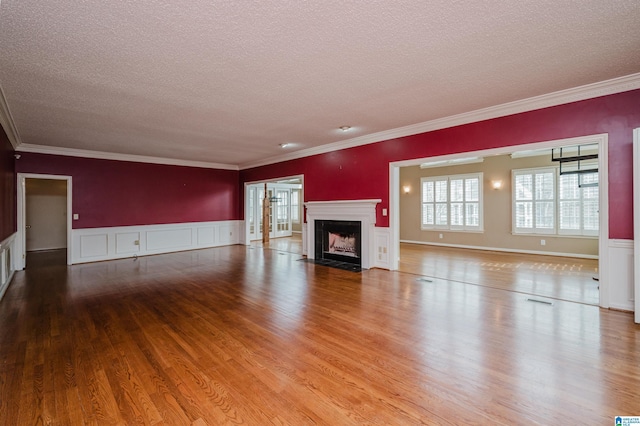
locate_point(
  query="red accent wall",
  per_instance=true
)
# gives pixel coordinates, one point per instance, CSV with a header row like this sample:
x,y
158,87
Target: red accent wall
x,y
7,187
363,172
121,193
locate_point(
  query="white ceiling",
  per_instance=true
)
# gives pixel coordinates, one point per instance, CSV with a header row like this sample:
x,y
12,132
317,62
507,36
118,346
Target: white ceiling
x,y
226,82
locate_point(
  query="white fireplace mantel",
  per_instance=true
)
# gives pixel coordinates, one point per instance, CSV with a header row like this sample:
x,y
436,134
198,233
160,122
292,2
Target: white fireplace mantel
x,y
363,211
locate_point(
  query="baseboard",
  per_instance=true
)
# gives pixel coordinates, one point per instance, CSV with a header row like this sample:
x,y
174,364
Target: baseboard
x,y
504,250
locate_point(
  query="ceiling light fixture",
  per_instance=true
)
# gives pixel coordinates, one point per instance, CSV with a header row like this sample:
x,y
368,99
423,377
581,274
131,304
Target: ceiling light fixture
x,y
345,128
285,145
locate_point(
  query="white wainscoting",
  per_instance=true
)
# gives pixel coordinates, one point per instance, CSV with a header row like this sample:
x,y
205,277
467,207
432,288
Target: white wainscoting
x,y
382,239
96,244
7,263
621,276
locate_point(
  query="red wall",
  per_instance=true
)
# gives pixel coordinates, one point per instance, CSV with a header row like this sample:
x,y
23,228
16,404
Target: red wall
x,y
363,172
7,187
120,193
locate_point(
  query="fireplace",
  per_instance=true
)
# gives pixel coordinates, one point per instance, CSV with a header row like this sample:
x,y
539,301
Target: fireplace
x,y
354,246
338,240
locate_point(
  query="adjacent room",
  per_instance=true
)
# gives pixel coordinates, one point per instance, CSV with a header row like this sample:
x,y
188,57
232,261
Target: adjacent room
x,y
528,220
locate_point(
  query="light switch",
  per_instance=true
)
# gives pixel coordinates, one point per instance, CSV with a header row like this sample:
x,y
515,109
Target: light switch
x,y
384,212
76,216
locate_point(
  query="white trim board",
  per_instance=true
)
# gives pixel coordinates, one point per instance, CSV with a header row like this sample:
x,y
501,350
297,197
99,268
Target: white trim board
x,y
20,252
581,93
636,222
503,250
85,153
7,123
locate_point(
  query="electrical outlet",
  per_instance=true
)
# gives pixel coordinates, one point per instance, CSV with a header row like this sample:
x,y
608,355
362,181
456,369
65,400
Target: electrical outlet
x,y
440,236
543,242
136,243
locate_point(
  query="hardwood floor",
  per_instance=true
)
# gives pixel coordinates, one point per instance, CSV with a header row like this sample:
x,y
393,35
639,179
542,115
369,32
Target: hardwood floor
x,y
234,335
292,244
563,278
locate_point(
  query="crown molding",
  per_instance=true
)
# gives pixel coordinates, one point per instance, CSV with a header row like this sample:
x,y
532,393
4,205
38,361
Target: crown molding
x,y
72,152
6,121
581,93
604,88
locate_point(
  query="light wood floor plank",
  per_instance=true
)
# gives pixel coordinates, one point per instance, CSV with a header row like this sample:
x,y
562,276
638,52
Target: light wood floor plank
x,y
563,278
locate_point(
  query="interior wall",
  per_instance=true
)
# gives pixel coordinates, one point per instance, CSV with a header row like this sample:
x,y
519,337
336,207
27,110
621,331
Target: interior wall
x,y
497,210
8,204
121,193
46,214
363,172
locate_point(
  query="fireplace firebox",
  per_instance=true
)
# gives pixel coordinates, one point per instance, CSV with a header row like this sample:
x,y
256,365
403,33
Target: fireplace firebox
x,y
338,240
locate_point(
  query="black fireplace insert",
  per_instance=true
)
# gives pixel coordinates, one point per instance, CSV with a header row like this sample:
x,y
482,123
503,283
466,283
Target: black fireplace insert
x,y
338,240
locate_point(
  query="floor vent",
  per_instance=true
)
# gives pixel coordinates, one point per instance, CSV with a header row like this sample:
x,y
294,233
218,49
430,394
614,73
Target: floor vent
x,y
544,302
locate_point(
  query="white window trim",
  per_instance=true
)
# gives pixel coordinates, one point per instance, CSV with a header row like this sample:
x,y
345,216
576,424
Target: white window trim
x,y
455,228
556,220
534,230
572,232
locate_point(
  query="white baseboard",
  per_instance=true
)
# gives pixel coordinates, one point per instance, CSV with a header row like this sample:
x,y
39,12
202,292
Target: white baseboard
x,y
97,244
504,250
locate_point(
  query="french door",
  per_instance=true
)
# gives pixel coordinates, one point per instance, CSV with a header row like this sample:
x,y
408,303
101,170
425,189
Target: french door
x,y
279,210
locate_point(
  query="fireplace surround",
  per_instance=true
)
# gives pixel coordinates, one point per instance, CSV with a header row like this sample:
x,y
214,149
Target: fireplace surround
x,y
343,212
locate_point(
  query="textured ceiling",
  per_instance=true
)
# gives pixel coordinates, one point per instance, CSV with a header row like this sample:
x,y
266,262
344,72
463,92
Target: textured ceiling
x,y
228,81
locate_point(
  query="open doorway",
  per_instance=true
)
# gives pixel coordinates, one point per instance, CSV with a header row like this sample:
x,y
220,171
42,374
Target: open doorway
x,y
448,241
284,215
44,215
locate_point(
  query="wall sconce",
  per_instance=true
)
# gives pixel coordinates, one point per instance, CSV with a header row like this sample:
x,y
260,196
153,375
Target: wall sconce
x,y
496,184
406,189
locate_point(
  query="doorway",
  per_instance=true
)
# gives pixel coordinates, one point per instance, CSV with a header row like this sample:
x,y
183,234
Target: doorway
x,y
600,140
285,208
44,215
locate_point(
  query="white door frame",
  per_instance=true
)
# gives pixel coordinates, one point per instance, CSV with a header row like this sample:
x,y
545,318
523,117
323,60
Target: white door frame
x,y
21,246
636,223
247,236
603,168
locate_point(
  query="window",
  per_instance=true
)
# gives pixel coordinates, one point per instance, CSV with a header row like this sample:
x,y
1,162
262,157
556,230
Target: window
x,y
452,202
295,205
545,203
578,204
534,201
